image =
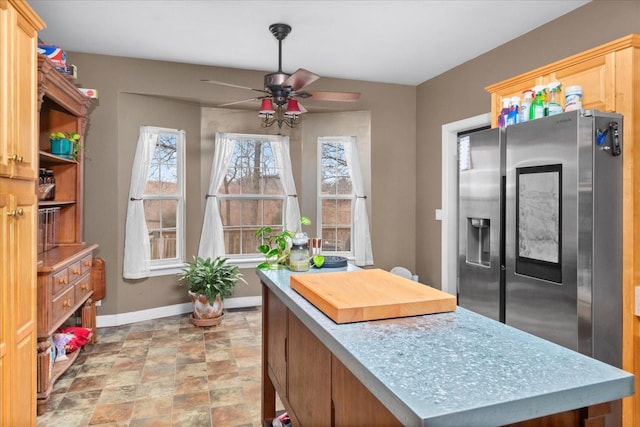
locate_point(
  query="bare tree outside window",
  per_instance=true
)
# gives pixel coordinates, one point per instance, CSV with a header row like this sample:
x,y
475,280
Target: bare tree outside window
x,y
251,195
163,199
336,197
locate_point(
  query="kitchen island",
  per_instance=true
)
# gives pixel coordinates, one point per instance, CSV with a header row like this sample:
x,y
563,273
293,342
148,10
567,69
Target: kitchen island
x,y
450,369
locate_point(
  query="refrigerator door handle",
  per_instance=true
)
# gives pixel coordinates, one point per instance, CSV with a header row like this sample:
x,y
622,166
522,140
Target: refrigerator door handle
x,y
614,147
616,150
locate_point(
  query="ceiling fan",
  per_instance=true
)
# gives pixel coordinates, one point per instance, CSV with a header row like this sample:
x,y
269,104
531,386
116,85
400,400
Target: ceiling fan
x,y
282,89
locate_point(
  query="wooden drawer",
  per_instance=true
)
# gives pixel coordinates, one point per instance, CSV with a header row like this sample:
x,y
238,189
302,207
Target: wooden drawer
x,y
86,263
75,271
83,287
62,305
59,281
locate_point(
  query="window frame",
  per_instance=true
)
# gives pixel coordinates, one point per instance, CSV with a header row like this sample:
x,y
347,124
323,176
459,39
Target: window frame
x,y
166,266
320,197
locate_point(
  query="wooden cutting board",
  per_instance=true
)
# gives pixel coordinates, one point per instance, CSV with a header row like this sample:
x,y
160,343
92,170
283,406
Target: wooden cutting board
x,y
355,296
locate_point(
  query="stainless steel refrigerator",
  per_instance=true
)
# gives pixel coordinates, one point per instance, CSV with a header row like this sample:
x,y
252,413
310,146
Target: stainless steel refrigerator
x,y
540,229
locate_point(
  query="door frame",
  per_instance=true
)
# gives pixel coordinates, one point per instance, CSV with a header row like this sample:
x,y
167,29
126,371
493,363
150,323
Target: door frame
x,y
449,254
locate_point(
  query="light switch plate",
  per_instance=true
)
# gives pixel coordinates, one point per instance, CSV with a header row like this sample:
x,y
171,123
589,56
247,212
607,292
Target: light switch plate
x,y
439,214
638,301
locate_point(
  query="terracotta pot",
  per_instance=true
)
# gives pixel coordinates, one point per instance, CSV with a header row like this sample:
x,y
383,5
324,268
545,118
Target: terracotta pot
x,y
202,310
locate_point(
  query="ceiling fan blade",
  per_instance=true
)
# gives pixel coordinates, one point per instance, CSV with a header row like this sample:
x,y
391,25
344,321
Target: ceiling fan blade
x,y
240,101
300,79
330,96
215,82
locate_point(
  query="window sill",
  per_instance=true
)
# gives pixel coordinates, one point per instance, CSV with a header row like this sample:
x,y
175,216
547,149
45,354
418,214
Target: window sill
x,y
167,270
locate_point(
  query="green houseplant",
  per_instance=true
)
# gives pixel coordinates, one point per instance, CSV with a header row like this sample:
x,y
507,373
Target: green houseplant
x,y
65,144
275,246
209,282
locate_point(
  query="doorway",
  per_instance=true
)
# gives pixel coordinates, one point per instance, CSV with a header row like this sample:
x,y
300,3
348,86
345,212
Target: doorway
x,y
449,254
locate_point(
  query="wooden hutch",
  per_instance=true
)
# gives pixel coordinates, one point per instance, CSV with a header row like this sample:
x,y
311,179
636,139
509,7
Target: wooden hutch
x,y
64,273
609,75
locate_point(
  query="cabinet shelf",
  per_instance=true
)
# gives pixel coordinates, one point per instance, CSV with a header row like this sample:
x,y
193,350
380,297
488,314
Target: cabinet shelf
x,y
48,158
50,203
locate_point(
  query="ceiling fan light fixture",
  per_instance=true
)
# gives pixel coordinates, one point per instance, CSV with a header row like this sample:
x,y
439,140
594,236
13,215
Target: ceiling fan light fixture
x,y
293,109
266,107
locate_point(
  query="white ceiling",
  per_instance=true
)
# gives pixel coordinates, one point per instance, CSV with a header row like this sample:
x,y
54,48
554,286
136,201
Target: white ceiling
x,y
404,42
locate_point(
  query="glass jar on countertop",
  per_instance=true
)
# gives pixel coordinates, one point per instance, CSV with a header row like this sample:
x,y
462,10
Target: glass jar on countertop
x,y
299,259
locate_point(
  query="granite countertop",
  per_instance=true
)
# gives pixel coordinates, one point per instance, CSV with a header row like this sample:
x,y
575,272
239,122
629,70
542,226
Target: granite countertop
x,y
457,368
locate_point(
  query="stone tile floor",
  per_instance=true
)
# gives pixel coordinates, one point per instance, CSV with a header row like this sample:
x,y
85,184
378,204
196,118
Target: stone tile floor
x,y
164,372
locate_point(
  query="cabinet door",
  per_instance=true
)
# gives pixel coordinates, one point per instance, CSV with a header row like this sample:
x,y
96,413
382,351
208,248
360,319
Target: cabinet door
x,y
18,106
309,376
276,318
354,404
597,78
18,208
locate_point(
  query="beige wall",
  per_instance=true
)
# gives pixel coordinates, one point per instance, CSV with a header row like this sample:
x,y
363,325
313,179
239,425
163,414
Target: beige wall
x,y
134,92
459,94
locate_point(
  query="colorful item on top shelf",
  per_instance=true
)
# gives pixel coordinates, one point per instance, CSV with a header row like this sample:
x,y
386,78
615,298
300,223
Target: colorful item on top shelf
x,y
514,110
502,118
544,100
91,93
573,98
553,106
528,96
54,53
536,110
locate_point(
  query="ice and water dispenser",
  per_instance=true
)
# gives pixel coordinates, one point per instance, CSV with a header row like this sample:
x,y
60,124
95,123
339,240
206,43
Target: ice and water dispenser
x,y
479,241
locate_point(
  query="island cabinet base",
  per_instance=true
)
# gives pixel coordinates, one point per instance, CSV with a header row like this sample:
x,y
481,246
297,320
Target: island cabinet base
x,y
593,416
317,389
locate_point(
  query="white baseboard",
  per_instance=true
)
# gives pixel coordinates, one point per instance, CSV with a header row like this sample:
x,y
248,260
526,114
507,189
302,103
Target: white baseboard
x,y
170,310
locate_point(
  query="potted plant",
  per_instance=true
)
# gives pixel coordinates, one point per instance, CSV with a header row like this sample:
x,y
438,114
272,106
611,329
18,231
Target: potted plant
x,y
275,246
209,282
65,144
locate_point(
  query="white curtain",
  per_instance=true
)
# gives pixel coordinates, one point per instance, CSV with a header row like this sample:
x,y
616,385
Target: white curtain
x,y
212,237
280,147
136,240
361,236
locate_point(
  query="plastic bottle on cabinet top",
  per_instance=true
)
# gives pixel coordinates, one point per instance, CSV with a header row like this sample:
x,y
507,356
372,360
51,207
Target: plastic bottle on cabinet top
x,y
502,118
526,104
536,110
553,104
573,98
514,111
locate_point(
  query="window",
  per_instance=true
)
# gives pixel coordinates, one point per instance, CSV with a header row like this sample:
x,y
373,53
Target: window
x,y
163,200
251,186
154,234
342,214
335,196
251,195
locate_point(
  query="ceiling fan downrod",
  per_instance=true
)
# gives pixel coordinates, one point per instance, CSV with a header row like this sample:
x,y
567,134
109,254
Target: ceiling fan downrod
x,y
280,32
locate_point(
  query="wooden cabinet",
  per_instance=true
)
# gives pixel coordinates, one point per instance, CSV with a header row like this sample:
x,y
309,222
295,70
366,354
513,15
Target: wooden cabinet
x,y
363,409
18,212
64,291
64,287
315,388
308,376
609,75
